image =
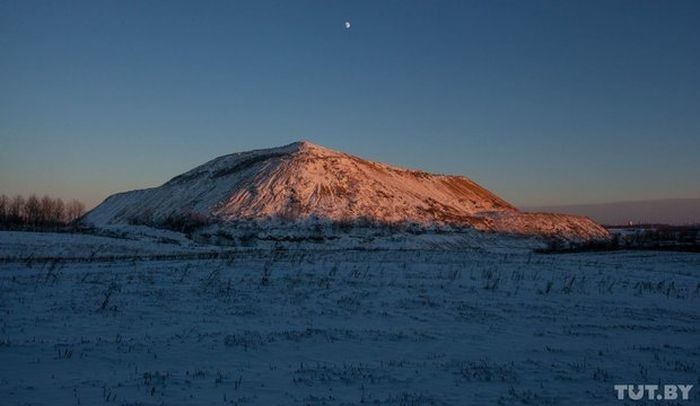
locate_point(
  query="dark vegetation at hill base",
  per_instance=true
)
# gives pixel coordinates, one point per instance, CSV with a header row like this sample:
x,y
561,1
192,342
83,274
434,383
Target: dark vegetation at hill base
x,y
243,233
181,223
651,237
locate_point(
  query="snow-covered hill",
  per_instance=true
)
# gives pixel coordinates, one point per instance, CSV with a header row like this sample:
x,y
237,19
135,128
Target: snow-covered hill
x,y
304,183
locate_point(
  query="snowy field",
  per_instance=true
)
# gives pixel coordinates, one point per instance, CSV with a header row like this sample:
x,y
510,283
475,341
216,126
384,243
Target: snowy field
x,y
93,320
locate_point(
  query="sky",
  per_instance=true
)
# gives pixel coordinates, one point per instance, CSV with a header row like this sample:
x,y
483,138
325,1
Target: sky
x,y
542,102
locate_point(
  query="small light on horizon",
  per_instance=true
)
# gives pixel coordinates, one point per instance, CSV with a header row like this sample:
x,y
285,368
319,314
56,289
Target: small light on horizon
x,y
347,25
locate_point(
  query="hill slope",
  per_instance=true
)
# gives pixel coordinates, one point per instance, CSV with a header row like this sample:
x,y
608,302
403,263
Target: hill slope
x,y
303,182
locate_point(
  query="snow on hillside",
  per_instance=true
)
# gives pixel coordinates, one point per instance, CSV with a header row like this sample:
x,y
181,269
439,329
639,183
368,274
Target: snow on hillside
x,y
304,182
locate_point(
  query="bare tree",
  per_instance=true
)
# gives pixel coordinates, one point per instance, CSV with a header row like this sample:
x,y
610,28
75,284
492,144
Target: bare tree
x,y
58,212
45,210
16,210
37,213
74,210
32,210
4,208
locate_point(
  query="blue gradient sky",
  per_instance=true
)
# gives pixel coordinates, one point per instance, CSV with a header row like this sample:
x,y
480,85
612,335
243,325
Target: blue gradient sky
x,y
541,102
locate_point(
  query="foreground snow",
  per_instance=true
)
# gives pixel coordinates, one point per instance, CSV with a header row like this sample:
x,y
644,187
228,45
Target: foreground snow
x,y
308,326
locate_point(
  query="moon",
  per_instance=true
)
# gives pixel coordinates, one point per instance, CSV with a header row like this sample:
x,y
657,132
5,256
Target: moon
x,y
347,25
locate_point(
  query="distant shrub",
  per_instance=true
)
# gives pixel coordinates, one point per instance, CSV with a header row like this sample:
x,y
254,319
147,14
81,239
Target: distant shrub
x,y
661,238
247,239
181,222
186,223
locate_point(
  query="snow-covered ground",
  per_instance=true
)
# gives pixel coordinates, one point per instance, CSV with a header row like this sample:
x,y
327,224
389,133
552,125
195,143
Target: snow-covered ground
x,y
137,241
321,326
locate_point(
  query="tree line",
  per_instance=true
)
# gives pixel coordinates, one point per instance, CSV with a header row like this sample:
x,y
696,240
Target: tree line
x,y
36,212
